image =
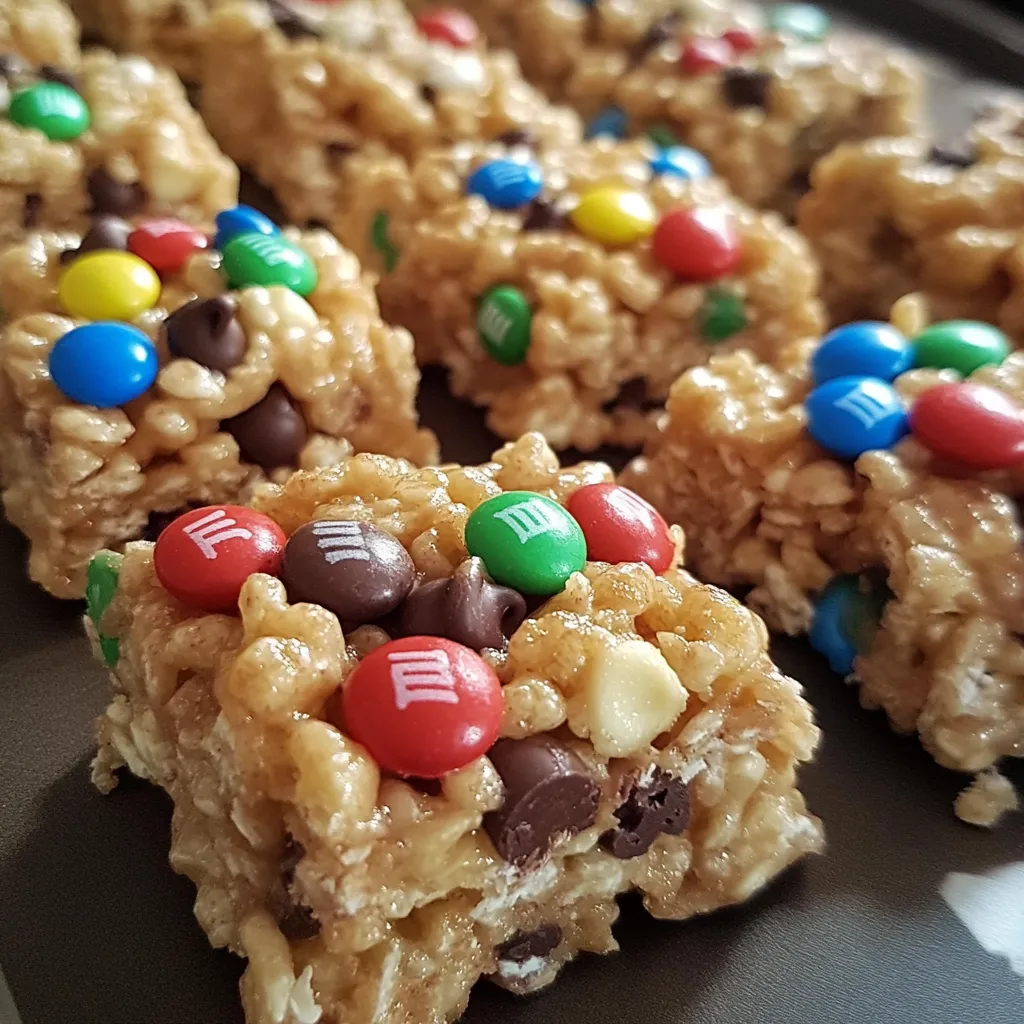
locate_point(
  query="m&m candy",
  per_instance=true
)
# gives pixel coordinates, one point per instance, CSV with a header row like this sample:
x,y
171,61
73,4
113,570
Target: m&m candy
x,y
448,25
619,526
503,322
804,22
52,108
241,220
867,349
681,162
610,122
205,556
702,56
527,542
961,345
166,244
852,415
268,260
722,315
614,215
969,423
100,586
106,285
506,184
423,706
662,136
846,618
699,244
104,364
742,40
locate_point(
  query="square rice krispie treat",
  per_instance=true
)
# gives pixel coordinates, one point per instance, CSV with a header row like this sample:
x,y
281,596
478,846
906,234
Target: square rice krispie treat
x,y
115,136
39,32
566,289
442,719
362,75
896,215
762,94
870,497
145,369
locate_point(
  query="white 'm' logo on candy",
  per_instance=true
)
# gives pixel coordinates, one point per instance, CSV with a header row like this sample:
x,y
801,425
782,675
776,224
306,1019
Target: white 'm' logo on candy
x,y
270,250
422,676
864,407
629,502
503,175
340,541
528,519
214,529
494,324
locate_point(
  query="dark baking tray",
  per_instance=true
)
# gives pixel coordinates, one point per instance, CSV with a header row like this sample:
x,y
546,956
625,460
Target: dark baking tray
x,y
96,929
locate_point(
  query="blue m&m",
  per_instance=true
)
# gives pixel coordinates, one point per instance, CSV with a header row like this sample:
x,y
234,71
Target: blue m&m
x,y
865,349
104,364
506,184
609,122
681,162
846,618
852,415
241,220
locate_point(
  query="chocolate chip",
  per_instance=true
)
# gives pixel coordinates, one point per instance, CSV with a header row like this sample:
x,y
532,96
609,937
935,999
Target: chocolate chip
x,y
467,608
207,332
52,73
272,433
159,521
355,570
543,215
112,196
294,918
290,22
337,151
12,66
746,87
661,31
30,210
633,394
961,155
548,793
658,806
516,137
429,93
106,232
525,946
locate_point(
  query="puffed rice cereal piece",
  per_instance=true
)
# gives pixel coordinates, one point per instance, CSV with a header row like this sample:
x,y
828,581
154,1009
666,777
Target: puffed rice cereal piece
x,y
361,895
39,32
125,397
545,315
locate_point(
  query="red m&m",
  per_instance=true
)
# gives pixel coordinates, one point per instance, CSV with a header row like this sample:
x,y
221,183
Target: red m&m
x,y
742,40
972,424
423,706
619,526
448,25
703,56
165,244
699,244
205,556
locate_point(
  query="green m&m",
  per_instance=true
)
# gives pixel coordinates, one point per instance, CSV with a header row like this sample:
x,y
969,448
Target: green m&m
x,y
54,109
100,587
722,315
527,542
381,242
662,136
961,345
503,320
267,260
804,22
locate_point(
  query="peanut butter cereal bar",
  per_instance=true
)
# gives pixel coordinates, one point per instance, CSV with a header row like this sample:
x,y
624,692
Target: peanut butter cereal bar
x,y
39,32
899,214
359,75
762,95
565,290
432,737
869,495
116,136
142,371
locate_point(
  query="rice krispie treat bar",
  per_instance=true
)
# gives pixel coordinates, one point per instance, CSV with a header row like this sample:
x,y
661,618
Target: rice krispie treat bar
x,y
763,94
895,215
116,136
143,370
566,290
444,718
870,497
364,76
39,32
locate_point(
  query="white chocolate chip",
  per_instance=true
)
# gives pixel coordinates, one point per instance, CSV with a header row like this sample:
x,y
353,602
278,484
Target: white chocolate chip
x,y
630,696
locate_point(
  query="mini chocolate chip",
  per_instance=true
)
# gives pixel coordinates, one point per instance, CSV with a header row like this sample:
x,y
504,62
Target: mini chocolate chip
x,y
516,137
660,32
429,93
112,196
52,73
207,332
960,154
290,22
295,919
12,66
355,570
658,806
633,394
467,608
524,946
272,433
30,210
337,151
548,793
159,521
543,215
746,87
105,232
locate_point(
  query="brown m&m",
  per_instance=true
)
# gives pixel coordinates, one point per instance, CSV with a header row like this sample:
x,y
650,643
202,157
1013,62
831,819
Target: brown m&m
x,y
655,804
355,570
272,433
548,793
207,332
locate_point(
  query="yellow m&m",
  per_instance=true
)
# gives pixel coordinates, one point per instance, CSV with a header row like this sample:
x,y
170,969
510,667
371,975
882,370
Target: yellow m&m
x,y
108,285
614,215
